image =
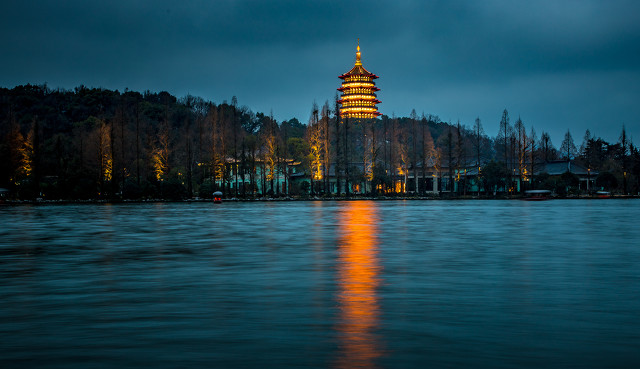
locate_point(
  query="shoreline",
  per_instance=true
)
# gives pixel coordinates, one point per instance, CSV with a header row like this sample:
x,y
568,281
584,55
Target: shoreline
x,y
301,199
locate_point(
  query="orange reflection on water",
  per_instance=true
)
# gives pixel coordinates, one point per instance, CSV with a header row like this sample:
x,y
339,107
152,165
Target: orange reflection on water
x,y
358,282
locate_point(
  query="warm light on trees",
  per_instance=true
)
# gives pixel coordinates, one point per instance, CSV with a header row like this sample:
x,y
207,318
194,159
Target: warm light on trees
x,y
160,157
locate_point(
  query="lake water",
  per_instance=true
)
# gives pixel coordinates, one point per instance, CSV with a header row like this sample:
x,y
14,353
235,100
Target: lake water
x,y
346,284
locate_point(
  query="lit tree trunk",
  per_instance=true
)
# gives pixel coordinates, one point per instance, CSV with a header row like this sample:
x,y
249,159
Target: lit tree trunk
x,y
327,146
346,154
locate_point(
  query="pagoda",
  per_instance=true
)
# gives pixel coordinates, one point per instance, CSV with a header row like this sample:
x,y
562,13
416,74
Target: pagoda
x,y
358,99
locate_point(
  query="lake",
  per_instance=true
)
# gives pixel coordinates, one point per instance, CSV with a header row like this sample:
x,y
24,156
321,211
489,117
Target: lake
x,y
333,284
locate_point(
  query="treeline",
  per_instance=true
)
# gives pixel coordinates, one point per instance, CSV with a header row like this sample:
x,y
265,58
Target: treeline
x,y
90,143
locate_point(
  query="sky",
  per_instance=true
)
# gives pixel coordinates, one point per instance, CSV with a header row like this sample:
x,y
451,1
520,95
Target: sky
x,y
558,65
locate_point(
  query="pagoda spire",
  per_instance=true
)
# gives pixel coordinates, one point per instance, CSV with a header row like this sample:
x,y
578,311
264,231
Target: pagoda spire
x,y
358,99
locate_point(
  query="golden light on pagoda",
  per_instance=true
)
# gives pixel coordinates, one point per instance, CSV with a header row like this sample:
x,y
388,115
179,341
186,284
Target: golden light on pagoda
x,y
358,99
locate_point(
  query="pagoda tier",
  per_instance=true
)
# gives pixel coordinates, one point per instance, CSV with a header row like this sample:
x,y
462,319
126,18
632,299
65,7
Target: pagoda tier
x,y
358,99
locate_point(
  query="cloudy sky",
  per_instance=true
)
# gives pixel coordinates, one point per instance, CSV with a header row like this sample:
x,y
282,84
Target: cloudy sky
x,y
557,64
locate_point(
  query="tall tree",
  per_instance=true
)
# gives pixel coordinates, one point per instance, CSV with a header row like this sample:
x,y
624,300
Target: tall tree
x,y
414,148
505,134
105,152
326,145
532,156
478,134
316,141
347,157
338,146
568,148
522,149
161,153
461,159
546,147
270,144
427,149
625,149
235,130
450,160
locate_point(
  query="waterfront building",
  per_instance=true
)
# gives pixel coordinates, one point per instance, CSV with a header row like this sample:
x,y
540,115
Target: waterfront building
x,y
358,98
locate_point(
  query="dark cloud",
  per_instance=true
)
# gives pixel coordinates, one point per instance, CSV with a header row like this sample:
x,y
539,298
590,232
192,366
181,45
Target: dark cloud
x,y
559,65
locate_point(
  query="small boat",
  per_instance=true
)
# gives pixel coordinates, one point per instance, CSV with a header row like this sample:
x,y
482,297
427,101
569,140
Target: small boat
x,y
603,194
217,197
537,195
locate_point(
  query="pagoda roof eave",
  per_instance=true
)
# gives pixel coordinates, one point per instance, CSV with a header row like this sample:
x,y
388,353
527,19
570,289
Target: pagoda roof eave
x,y
373,101
374,88
349,74
358,70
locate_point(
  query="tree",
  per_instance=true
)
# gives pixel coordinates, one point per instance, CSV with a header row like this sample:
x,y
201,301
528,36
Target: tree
x,y
316,149
624,153
568,148
402,146
505,131
338,146
427,149
270,147
522,149
105,155
160,155
607,181
448,143
546,147
326,144
478,133
461,159
532,156
369,151
414,148
493,176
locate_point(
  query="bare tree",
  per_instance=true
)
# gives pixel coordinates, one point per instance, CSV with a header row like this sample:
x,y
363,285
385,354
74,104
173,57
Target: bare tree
x,y
522,149
326,145
414,148
532,155
548,151
505,133
427,149
625,150
478,134
338,146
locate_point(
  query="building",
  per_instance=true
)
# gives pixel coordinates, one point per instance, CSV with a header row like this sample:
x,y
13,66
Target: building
x,y
358,99
585,176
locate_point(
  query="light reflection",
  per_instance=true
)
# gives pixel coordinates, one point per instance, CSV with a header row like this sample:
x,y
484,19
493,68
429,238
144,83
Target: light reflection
x,y
358,281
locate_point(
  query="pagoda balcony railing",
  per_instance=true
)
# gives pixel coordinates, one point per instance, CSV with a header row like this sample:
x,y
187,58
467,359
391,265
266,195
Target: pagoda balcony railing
x,y
359,93
358,104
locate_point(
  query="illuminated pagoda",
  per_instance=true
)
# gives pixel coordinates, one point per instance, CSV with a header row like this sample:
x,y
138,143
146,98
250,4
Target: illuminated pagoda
x,y
358,99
